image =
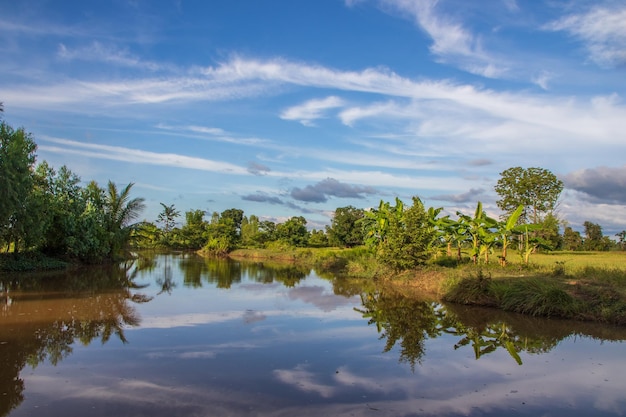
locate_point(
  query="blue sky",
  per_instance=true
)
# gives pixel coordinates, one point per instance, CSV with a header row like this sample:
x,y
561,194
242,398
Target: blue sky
x,y
285,108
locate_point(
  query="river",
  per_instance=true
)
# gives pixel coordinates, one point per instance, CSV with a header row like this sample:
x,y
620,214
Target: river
x,y
178,335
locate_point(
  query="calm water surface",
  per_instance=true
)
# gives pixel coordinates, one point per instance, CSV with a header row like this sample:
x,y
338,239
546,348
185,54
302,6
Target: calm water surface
x,y
178,335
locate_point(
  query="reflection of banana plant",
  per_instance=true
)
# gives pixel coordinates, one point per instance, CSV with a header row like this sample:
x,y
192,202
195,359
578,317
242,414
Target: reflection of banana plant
x,y
408,322
489,339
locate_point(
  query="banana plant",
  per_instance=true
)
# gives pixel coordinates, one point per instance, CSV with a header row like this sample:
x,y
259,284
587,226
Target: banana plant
x,y
532,243
478,228
506,229
439,228
375,222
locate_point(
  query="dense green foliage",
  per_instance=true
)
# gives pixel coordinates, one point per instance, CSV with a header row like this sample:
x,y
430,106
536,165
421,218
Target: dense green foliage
x,y
345,230
537,189
49,211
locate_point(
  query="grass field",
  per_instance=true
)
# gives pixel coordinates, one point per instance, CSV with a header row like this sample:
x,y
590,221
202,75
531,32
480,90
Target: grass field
x,y
576,285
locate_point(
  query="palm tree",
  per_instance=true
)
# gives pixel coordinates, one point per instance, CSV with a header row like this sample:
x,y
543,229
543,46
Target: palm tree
x,y
121,211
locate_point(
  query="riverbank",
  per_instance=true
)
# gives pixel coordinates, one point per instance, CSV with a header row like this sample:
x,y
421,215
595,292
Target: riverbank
x,y
588,286
29,261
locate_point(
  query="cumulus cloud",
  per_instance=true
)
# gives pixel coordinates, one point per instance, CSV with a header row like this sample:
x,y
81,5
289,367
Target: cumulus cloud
x,y
330,187
311,110
601,29
602,184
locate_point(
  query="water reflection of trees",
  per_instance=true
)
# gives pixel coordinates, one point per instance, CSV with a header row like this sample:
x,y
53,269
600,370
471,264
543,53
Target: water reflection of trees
x,y
408,322
42,316
223,273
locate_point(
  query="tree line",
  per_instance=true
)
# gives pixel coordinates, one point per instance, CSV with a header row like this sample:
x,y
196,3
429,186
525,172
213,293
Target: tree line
x,y
49,211
400,235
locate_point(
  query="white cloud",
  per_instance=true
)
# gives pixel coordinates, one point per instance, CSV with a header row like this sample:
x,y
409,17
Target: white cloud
x,y
603,31
138,156
599,119
452,42
542,79
107,54
311,110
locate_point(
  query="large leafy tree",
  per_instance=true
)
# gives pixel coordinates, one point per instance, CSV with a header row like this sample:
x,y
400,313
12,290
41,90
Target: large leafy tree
x,y
572,239
17,159
406,235
194,231
345,229
293,232
537,189
594,238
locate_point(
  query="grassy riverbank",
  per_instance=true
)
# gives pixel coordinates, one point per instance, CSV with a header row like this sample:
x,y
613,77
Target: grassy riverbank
x,y
29,261
573,285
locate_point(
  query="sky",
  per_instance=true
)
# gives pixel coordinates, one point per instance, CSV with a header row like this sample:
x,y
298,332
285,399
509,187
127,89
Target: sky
x,y
294,108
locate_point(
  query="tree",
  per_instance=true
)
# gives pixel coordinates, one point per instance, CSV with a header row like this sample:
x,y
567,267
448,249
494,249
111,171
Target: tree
x,y
572,239
17,159
622,239
250,232
550,231
167,217
537,189
120,210
75,216
318,239
193,234
293,232
345,229
399,236
594,239
236,215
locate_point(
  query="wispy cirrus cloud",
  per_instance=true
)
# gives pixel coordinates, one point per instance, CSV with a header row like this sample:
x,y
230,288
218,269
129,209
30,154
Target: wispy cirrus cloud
x,y
311,110
209,133
601,29
452,42
598,118
109,54
117,153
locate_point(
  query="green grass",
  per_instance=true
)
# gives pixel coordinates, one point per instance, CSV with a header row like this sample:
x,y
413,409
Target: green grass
x,y
574,285
29,261
573,262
